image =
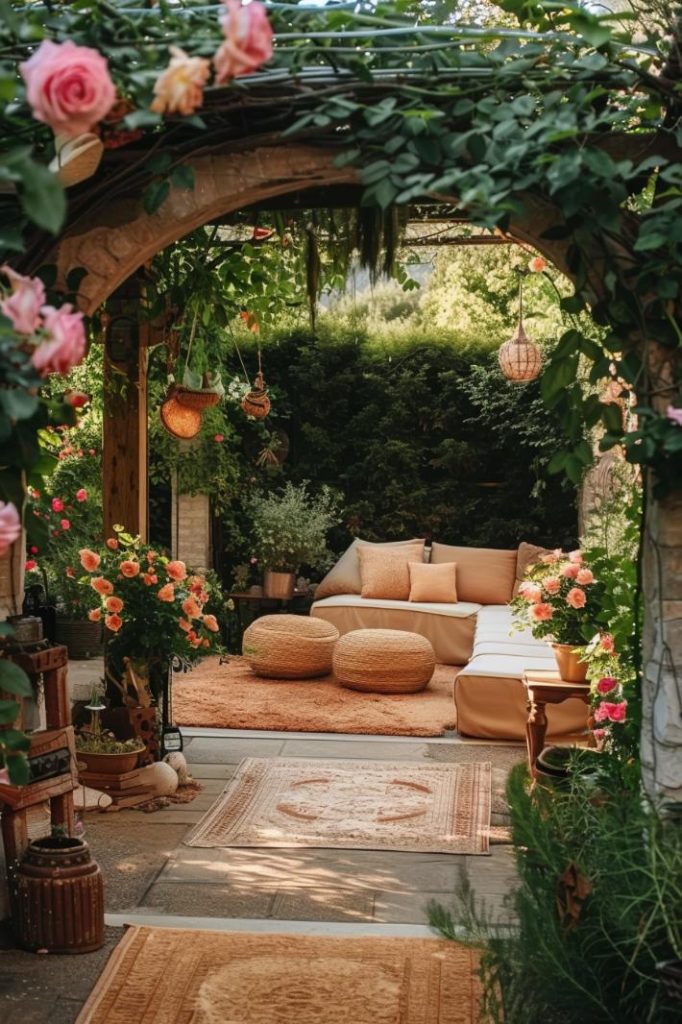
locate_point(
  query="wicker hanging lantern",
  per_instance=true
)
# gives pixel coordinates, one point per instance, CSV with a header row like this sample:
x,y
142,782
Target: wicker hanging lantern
x,y
520,358
256,403
181,421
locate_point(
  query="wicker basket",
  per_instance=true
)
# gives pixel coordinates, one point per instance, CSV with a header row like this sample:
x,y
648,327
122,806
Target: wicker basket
x,y
289,646
384,661
198,400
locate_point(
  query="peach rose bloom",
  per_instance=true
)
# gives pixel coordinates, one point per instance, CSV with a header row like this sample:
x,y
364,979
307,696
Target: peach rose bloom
x,y
191,608
89,559
113,622
65,345
129,568
185,625
211,623
552,585
180,88
530,591
68,87
166,593
248,40
570,570
102,586
576,598
112,544
584,577
95,614
23,306
541,612
177,570
575,556
114,604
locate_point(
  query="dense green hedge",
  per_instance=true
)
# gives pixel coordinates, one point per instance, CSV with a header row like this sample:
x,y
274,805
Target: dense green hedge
x,y
422,438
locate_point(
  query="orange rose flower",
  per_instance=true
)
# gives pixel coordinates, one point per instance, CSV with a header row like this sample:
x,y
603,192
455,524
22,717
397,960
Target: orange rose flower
x,y
95,614
89,559
150,579
102,586
113,622
129,568
177,570
191,608
114,604
576,597
166,593
541,612
184,624
112,544
211,623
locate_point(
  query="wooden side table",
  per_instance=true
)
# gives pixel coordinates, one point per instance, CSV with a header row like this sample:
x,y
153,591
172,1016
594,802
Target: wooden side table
x,y
544,688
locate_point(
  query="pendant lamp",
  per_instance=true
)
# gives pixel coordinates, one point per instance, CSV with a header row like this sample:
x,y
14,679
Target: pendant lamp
x,y
520,358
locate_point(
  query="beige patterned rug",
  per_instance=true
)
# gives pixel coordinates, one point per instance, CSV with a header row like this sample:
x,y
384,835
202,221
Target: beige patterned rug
x,y
178,976
358,805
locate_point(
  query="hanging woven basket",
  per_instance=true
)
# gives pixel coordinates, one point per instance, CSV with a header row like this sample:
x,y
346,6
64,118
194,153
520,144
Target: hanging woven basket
x,y
256,403
520,358
199,391
181,421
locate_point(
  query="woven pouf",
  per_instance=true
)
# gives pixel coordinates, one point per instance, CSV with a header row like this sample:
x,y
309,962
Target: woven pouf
x,y
384,661
290,646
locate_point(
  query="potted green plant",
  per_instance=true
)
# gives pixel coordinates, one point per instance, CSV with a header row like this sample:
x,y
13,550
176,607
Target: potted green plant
x,y
290,531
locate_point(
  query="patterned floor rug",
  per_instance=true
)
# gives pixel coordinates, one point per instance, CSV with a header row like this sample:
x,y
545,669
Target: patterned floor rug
x,y
360,805
177,976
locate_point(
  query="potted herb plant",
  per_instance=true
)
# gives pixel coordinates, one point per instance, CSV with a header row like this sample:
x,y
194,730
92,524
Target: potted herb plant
x,y
290,531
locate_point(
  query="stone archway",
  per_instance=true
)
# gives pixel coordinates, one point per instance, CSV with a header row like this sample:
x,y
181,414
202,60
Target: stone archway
x,y
123,237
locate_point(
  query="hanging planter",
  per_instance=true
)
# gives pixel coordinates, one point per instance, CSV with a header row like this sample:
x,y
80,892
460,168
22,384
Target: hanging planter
x,y
181,411
520,358
256,403
199,391
181,421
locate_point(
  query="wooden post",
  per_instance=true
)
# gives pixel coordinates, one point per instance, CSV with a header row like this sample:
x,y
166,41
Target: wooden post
x,y
124,460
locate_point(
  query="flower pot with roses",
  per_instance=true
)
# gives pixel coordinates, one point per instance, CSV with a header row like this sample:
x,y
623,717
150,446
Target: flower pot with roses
x,y
560,599
153,610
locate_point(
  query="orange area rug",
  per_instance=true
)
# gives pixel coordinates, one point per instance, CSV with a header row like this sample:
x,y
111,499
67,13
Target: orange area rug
x,y
178,976
230,696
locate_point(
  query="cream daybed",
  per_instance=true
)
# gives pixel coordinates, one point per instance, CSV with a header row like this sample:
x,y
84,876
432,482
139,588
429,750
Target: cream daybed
x,y
474,633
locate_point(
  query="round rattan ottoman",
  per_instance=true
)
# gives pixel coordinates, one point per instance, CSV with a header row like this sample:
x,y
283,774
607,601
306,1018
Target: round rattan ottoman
x,y
384,661
289,646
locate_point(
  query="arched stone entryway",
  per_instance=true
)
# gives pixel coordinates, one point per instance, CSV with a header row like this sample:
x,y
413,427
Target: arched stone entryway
x,y
121,237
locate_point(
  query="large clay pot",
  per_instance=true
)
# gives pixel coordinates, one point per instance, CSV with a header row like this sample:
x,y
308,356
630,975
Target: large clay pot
x,y
58,902
279,584
571,669
109,764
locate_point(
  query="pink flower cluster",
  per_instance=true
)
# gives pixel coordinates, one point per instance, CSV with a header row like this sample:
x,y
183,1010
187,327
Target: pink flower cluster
x,y
545,595
57,335
608,711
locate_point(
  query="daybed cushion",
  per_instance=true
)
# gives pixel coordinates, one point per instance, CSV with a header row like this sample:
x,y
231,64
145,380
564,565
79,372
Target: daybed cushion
x,y
433,583
449,627
344,577
384,570
484,575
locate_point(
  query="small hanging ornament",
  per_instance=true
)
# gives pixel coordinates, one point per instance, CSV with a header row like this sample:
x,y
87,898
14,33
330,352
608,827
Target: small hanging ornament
x,y
256,403
520,358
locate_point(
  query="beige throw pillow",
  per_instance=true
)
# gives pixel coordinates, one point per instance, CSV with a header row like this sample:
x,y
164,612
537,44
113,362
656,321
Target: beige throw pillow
x,y
433,582
527,555
484,575
384,571
344,577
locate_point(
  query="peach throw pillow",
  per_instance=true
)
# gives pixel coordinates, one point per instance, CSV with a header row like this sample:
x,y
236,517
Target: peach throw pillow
x,y
384,571
344,577
433,582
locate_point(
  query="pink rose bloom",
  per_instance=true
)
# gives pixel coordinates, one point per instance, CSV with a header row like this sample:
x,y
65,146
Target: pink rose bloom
x,y
576,598
576,557
82,495
65,345
65,524
530,591
608,712
248,40
606,684
541,612
552,585
68,87
30,564
10,526
57,505
674,414
23,306
585,577
570,570
607,643
599,734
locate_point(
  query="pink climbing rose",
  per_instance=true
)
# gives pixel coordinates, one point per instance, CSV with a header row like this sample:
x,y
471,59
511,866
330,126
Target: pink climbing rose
x,y
609,712
180,88
606,684
23,306
68,87
65,344
10,526
248,40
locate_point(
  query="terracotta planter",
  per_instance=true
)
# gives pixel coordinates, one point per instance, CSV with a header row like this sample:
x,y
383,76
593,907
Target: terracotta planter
x,y
279,584
109,764
58,902
571,669
82,638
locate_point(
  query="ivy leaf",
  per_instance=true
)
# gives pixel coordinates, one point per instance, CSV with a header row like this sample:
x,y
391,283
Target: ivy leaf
x,y
14,680
17,404
43,199
182,176
18,769
9,709
155,195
